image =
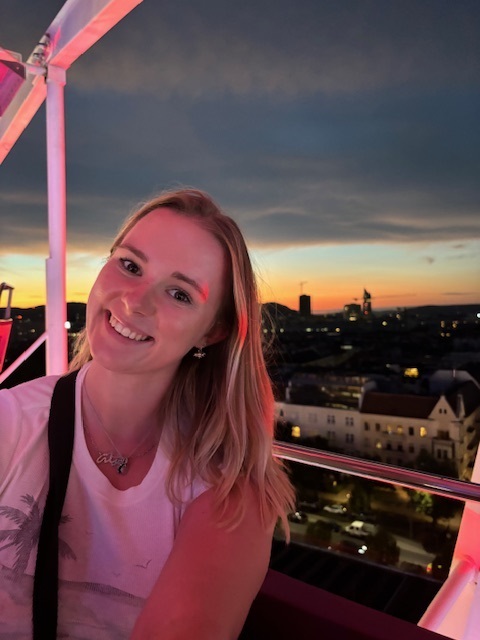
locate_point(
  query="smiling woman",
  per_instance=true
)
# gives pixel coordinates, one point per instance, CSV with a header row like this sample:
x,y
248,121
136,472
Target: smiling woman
x,y
162,286
173,490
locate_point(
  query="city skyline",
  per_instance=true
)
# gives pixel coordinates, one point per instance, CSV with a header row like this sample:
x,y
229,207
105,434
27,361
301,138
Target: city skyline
x,y
343,139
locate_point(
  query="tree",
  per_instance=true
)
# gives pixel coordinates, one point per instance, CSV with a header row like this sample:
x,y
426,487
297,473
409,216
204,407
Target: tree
x,y
428,463
432,505
383,548
319,533
359,501
422,502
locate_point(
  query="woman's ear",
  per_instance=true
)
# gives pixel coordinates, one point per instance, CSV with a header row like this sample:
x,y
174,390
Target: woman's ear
x,y
216,334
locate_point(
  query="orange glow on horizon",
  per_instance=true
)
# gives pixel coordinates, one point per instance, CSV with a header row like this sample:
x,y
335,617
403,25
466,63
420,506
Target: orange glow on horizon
x,y
395,276
32,293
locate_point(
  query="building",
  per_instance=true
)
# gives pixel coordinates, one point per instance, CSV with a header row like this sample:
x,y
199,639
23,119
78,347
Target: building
x,y
352,312
367,304
305,305
329,390
392,427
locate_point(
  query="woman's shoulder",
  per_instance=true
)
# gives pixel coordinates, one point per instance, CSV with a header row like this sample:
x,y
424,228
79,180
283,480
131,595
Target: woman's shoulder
x,y
24,411
31,394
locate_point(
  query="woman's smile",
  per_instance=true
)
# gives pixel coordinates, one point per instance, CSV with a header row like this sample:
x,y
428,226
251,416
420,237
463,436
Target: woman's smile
x,y
126,332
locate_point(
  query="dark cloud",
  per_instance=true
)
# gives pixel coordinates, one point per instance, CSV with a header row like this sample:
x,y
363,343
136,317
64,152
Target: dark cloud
x,y
310,122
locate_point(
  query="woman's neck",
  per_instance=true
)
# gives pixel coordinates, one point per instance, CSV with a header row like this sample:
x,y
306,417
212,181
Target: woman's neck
x,y
127,405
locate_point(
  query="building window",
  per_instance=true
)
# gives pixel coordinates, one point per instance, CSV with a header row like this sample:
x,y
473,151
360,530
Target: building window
x,y
331,435
366,442
366,426
411,431
377,426
296,431
399,447
349,422
411,448
400,430
444,435
330,419
349,438
378,444
442,454
423,432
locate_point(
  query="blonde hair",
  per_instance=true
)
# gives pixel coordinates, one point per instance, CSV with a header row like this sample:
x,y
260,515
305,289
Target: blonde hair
x,y
226,398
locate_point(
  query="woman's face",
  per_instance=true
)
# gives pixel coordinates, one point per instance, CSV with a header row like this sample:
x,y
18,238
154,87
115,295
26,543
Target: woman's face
x,y
157,297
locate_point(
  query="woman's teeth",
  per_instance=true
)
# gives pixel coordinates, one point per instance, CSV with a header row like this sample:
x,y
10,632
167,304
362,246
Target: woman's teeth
x,y
125,331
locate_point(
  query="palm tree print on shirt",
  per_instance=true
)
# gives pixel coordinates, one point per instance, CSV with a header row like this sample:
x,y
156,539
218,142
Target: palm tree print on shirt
x,y
25,536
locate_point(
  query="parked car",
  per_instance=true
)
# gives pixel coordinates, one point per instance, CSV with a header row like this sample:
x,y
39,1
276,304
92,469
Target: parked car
x,y
352,547
313,507
369,516
338,509
361,529
298,516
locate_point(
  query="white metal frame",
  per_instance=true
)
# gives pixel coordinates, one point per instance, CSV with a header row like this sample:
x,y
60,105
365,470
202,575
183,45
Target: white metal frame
x,y
78,26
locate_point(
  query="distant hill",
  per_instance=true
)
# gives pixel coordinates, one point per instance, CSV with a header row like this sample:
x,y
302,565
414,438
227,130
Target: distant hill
x,y
39,312
275,309
432,310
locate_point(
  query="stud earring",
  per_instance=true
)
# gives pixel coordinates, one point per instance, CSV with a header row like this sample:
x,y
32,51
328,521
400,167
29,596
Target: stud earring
x,y
199,353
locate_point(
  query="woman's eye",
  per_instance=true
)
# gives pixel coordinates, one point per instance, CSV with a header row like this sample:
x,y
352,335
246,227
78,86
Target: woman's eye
x,y
180,295
130,266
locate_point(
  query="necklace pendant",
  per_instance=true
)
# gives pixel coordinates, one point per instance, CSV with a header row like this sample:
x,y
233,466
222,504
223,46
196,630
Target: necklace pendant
x,y
122,466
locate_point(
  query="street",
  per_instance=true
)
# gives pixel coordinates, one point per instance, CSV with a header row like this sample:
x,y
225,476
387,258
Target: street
x,y
411,551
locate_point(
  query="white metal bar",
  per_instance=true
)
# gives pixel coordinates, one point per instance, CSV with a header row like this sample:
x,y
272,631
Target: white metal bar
x,y
442,486
77,27
56,308
80,24
21,358
473,623
464,572
19,113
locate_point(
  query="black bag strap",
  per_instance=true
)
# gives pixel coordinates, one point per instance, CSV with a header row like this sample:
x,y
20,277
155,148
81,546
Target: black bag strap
x,y
61,427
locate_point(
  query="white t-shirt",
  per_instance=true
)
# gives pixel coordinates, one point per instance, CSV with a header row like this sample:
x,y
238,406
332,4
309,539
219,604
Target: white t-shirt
x,y
113,544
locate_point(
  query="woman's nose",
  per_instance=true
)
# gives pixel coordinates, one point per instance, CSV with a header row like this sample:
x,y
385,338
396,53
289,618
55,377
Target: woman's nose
x,y
139,299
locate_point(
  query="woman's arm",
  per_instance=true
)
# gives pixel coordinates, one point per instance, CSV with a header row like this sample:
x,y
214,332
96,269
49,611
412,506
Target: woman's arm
x,y
210,578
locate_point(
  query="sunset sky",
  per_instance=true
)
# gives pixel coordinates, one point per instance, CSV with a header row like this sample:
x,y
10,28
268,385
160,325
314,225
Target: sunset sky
x,y
343,136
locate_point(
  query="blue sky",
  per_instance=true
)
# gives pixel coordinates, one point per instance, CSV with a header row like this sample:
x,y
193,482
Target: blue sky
x,y
342,136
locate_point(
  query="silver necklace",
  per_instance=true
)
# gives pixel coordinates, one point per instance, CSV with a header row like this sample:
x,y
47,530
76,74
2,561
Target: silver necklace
x,y
115,459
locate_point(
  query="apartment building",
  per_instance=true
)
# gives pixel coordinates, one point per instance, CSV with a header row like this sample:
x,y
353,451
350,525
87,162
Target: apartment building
x,y
395,427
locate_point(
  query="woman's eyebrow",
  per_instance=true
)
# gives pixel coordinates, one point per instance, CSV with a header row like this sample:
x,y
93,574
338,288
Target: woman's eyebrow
x,y
178,275
135,251
193,283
